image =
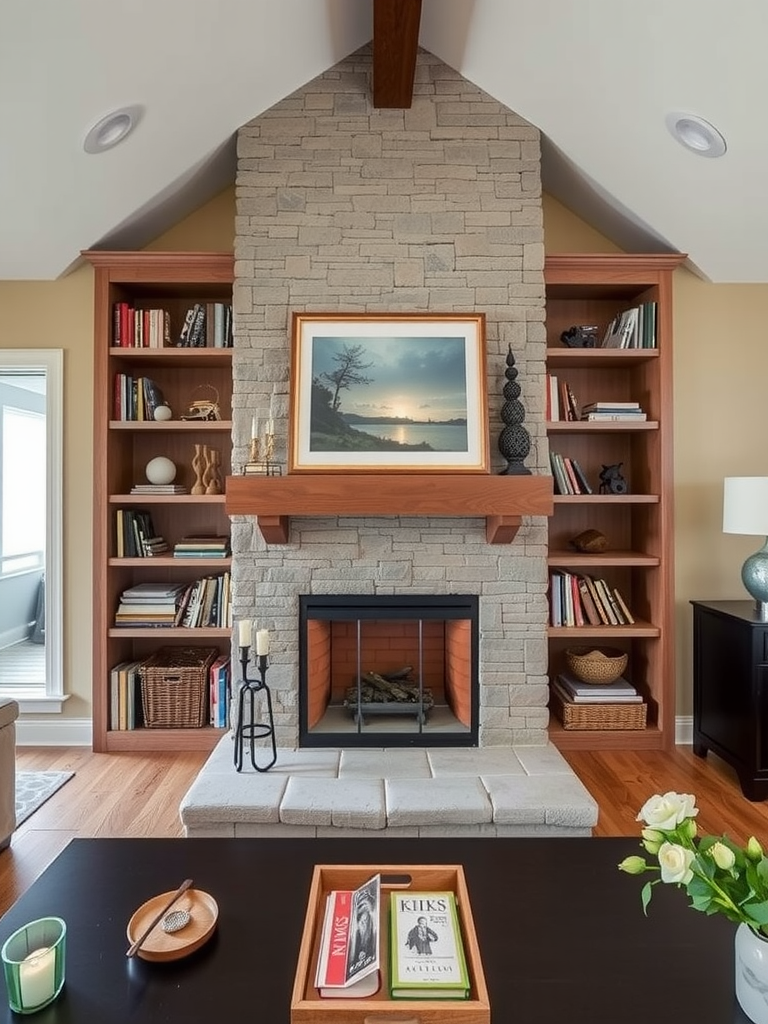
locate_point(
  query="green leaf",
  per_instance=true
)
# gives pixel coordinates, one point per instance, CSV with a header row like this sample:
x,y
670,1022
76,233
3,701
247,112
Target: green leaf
x,y
645,895
757,911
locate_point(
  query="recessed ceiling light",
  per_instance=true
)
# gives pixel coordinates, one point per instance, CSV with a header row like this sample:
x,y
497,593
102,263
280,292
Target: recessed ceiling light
x,y
111,129
696,134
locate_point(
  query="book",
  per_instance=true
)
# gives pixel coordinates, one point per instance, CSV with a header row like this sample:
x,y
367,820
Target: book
x,y
610,406
607,417
570,699
576,688
426,952
349,940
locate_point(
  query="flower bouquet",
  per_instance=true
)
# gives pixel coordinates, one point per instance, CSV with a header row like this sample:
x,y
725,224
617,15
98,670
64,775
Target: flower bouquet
x,y
720,877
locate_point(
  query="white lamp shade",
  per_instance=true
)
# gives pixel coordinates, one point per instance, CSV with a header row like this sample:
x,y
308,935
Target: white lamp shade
x,y
745,505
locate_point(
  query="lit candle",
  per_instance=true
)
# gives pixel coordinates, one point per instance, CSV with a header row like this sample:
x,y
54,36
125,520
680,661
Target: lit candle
x,y
37,977
244,632
262,641
254,428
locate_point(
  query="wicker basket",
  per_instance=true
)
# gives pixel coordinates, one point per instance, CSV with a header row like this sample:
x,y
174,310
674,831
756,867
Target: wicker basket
x,y
174,687
596,665
598,716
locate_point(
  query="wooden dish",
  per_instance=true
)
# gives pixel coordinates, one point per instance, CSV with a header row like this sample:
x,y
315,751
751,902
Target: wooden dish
x,y
159,945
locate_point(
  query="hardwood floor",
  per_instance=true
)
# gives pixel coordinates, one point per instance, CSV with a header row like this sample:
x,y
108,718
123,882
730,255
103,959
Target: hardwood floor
x,y
119,795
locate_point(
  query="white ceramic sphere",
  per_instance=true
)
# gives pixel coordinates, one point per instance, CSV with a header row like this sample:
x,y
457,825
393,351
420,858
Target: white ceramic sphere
x,y
162,412
160,470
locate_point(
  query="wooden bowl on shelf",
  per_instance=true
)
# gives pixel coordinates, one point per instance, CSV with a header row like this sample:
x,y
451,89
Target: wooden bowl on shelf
x,y
598,665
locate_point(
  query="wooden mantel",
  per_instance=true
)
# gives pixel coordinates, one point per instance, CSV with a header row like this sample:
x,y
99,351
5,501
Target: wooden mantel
x,y
502,500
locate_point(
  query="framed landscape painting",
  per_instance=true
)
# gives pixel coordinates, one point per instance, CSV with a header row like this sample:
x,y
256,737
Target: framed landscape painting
x,y
386,392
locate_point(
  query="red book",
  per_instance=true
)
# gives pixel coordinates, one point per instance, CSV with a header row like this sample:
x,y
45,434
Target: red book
x,y
334,944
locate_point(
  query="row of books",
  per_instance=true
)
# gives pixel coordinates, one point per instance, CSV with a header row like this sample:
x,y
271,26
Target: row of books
x,y
560,400
135,534
426,954
568,474
206,324
136,398
206,602
140,328
632,328
125,702
582,600
573,690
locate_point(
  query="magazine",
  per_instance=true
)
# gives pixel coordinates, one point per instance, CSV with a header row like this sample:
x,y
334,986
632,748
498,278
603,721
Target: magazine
x,y
349,942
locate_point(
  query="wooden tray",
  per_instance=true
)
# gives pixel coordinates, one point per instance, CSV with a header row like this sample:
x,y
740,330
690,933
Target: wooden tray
x,y
159,945
308,1007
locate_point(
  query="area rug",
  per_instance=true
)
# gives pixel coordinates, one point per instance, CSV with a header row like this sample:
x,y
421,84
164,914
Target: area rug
x,y
34,788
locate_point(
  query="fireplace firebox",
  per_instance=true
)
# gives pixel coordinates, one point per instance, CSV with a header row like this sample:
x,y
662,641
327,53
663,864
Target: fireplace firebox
x,y
390,670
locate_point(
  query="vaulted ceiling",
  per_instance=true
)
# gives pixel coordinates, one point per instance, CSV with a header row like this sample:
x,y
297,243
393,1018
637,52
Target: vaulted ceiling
x,y
598,77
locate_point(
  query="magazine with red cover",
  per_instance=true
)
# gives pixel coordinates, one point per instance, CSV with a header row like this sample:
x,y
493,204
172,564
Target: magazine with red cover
x,y
349,942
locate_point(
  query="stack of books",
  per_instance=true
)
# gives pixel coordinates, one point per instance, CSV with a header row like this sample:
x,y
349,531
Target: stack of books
x,y
572,690
348,960
149,604
600,412
158,489
202,547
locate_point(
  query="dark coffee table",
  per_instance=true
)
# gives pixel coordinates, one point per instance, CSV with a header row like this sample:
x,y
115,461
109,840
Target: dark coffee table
x,y
561,931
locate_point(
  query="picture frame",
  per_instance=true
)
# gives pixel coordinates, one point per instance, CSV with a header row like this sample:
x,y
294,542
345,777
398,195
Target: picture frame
x,y
386,392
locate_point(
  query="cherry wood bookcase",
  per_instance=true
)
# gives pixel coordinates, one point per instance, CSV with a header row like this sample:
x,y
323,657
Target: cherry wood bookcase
x,y
172,282
590,290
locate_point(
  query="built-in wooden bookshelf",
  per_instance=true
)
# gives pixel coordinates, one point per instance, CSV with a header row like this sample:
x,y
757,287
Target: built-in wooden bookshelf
x,y
589,290
173,282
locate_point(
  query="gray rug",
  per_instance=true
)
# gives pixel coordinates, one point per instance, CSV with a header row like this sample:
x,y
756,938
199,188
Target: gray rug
x,y
34,788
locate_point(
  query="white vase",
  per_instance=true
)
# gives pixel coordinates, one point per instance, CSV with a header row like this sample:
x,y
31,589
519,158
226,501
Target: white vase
x,y
751,966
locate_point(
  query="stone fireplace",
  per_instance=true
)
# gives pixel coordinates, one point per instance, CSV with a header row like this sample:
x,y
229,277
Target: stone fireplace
x,y
342,207
388,671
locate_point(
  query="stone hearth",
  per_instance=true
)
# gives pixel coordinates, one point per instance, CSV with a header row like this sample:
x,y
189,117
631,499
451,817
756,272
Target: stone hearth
x,y
496,791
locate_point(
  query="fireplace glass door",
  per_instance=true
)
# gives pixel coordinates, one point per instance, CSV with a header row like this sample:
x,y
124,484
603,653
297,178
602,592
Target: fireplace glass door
x,y
388,671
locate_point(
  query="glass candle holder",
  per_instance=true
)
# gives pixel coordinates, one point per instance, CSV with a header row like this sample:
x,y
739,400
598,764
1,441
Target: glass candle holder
x,y
33,963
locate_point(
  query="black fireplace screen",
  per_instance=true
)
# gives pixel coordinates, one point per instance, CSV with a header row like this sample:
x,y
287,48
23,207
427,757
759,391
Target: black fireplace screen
x,y
388,670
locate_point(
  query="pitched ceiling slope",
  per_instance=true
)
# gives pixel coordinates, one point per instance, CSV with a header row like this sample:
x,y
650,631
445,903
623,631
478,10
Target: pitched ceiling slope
x,y
597,77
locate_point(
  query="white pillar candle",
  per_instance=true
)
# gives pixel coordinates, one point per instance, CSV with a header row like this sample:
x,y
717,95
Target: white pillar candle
x,y
270,427
254,428
37,977
244,632
262,641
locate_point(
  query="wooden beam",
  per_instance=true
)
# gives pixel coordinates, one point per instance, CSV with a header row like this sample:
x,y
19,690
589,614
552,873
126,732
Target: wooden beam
x,y
395,42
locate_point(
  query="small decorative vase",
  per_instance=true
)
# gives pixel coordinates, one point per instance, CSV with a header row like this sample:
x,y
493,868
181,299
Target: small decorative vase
x,y
751,966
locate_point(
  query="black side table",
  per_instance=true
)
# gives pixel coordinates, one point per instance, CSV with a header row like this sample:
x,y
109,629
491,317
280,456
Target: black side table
x,y
730,689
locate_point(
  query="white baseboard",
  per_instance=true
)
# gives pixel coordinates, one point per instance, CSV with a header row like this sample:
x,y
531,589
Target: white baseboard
x,y
15,635
64,732
684,730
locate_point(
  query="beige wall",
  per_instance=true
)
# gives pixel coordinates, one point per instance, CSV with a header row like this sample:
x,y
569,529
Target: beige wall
x,y
721,364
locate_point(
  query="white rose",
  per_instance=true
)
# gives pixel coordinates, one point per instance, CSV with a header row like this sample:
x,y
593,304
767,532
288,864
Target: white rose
x,y
668,811
723,856
675,863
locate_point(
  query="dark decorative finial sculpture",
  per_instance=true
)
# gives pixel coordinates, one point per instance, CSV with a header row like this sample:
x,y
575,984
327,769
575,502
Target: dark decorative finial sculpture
x,y
514,440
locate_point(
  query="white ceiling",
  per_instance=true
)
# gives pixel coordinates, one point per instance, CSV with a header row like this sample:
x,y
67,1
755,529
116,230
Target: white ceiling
x,y
596,76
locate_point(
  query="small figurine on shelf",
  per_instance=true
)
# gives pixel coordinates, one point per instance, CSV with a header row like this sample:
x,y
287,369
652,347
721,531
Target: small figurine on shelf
x,y
199,462
212,473
612,481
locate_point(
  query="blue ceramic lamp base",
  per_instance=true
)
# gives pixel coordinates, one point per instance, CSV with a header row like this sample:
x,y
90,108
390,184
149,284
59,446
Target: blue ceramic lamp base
x,y
754,576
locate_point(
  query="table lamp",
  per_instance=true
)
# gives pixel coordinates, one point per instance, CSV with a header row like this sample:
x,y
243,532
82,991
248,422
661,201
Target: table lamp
x,y
745,510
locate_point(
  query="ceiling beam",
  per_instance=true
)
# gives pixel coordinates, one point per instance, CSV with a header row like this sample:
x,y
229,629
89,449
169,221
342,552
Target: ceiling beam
x,y
395,42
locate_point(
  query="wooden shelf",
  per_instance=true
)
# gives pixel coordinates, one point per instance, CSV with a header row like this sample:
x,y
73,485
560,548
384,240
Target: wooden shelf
x,y
204,739
593,289
580,559
599,426
604,633
501,500
606,499
168,561
166,426
173,282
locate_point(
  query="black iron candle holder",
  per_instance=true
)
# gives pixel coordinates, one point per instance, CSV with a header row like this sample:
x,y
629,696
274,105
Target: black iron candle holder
x,y
247,728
